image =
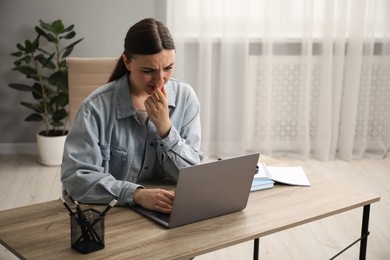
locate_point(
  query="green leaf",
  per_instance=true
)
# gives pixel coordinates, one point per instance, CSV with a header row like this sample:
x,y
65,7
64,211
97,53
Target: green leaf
x,y
36,107
27,70
26,59
57,27
58,78
68,49
67,52
45,25
48,27
63,84
46,62
69,35
61,100
20,47
49,62
35,43
63,64
34,117
51,38
50,109
60,115
40,31
40,58
20,87
26,104
17,54
37,91
69,28
29,47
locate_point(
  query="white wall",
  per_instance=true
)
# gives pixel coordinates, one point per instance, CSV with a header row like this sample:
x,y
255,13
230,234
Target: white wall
x,y
103,25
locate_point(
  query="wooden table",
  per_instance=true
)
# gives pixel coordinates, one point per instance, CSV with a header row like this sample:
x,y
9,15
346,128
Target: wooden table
x,y
42,231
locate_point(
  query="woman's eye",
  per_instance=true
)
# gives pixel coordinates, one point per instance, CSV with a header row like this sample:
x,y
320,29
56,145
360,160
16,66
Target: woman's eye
x,y
147,71
168,68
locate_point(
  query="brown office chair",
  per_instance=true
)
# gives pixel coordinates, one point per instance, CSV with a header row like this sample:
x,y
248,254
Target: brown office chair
x,y
84,76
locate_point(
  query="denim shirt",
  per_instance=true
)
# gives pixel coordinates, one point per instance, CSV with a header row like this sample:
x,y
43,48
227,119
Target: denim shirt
x,y
109,150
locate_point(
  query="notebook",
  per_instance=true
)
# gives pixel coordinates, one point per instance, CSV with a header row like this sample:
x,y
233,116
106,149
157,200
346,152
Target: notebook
x,y
208,190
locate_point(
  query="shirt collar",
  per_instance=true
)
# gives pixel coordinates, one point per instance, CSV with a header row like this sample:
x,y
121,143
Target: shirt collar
x,y
171,94
124,104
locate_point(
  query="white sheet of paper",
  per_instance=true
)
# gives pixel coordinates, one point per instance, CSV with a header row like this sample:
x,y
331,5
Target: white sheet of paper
x,y
294,175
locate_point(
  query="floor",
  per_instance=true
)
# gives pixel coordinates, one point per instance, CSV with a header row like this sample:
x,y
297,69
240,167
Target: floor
x,y
24,181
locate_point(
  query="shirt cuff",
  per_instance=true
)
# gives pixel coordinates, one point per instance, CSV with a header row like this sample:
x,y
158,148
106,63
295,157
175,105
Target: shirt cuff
x,y
170,141
126,196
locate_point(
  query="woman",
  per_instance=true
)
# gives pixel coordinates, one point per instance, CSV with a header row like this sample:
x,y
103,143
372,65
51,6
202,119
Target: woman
x,y
141,126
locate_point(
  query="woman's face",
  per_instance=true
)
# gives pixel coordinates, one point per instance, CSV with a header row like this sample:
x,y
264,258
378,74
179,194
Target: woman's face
x,y
149,72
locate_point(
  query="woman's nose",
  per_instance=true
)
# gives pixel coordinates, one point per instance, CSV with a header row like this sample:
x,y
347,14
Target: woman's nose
x,y
159,76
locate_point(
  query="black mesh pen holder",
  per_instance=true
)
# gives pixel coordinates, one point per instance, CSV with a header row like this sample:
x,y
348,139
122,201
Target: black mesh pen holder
x,y
87,231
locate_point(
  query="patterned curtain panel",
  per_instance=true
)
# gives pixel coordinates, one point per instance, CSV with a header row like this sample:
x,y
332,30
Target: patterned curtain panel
x,y
308,78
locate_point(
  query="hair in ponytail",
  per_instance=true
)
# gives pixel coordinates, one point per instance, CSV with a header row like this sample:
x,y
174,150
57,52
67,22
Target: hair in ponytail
x,y
119,70
146,37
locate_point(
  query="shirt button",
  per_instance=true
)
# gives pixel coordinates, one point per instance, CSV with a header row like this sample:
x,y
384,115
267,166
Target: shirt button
x,y
151,144
146,167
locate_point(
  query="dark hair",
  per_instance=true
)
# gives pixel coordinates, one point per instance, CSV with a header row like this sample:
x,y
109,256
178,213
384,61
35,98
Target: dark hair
x,y
146,37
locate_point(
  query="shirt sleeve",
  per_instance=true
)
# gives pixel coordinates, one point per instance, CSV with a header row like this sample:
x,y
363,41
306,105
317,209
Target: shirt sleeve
x,y
83,172
181,148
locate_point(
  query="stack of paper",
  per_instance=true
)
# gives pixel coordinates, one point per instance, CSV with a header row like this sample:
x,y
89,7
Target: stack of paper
x,y
261,184
266,176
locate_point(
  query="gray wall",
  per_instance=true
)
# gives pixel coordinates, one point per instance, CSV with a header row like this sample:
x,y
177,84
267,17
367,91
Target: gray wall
x,y
103,25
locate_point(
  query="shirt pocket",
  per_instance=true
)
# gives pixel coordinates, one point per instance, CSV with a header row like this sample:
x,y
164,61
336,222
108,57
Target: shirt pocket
x,y
114,159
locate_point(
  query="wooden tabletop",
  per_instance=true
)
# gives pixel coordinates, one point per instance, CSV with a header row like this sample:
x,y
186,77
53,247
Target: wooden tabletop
x,y
42,231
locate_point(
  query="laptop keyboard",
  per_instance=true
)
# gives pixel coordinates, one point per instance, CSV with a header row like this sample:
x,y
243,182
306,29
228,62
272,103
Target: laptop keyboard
x,y
163,216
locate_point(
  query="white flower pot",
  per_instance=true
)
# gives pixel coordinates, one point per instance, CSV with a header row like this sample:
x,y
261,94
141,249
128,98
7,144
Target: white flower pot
x,y
51,149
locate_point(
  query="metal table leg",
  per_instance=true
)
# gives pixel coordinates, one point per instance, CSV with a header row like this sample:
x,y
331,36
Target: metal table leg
x,y
256,249
365,232
363,235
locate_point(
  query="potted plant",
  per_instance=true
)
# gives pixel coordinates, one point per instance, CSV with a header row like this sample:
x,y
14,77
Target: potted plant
x,y
43,62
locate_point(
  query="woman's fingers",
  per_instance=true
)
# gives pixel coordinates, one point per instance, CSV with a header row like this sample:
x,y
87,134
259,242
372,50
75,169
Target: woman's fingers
x,y
155,199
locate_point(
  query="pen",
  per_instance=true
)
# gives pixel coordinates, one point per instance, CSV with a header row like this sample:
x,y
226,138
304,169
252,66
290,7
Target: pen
x,y
66,206
83,222
70,197
112,204
79,212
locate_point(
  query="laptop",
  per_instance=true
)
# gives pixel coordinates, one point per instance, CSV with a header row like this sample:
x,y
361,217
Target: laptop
x,y
208,190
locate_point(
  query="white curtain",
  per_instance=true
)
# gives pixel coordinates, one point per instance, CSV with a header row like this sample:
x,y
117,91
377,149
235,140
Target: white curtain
x,y
302,77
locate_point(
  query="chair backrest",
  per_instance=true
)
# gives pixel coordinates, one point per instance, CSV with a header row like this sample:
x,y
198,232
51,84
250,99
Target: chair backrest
x,y
84,76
